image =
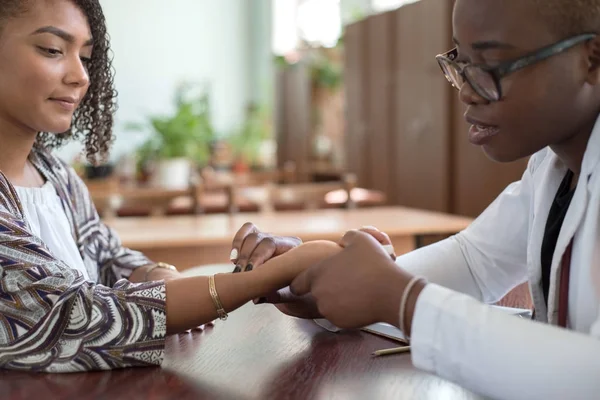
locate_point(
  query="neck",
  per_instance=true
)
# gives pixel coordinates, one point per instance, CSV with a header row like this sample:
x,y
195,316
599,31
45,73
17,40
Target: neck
x,y
17,142
572,150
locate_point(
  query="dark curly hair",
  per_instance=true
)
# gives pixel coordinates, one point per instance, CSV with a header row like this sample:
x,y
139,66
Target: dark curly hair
x,y
93,120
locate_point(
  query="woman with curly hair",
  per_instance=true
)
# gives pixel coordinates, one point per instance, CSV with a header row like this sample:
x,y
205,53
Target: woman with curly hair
x,y
72,298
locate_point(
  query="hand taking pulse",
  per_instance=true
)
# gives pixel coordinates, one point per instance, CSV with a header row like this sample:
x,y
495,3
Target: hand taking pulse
x,y
251,247
359,285
381,237
305,306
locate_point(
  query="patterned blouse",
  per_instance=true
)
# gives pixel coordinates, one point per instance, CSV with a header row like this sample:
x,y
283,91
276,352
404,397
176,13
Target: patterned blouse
x,y
51,319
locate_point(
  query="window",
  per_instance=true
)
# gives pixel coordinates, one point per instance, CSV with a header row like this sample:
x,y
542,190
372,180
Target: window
x,y
317,22
285,36
386,5
320,22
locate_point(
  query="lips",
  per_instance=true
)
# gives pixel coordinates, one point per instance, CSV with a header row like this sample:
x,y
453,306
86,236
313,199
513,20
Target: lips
x,y
480,132
67,103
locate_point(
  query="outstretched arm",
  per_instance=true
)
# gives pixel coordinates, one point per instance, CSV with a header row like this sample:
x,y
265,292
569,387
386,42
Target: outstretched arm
x,y
189,303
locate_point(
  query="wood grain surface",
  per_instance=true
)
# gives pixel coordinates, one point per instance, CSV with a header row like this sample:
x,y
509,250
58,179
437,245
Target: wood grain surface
x,y
257,353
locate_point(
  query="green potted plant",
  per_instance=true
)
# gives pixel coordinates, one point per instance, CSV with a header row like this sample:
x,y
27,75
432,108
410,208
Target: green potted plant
x,y
181,140
249,141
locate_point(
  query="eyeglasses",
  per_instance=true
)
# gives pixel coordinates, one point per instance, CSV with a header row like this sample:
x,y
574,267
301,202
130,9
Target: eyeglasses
x,y
485,80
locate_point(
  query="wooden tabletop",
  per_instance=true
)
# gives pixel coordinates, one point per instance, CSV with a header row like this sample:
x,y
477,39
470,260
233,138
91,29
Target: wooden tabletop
x,y
219,229
257,353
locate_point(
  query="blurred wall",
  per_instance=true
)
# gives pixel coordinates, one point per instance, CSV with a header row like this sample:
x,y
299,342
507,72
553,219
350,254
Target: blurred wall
x,y
157,44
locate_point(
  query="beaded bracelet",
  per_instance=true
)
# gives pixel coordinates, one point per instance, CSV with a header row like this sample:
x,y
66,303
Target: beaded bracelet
x,y
411,284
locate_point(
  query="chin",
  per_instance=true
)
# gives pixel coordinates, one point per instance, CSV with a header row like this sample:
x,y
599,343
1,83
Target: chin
x,y
56,127
502,156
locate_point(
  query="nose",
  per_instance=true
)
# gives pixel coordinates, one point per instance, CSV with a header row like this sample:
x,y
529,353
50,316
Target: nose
x,y
77,73
469,97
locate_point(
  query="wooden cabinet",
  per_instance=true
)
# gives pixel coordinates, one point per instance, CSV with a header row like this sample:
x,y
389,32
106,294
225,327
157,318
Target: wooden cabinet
x,y
405,131
357,160
420,122
292,118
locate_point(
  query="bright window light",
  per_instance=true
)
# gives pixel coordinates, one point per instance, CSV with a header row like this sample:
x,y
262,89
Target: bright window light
x,y
386,5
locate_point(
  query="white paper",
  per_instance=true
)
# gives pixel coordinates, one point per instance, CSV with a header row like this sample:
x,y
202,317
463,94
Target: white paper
x,y
328,326
386,330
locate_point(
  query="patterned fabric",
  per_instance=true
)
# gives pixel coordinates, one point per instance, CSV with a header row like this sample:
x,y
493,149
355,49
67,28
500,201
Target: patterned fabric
x,y
51,319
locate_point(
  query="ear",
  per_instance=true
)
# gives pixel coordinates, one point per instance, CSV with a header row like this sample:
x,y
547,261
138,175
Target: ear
x,y
593,61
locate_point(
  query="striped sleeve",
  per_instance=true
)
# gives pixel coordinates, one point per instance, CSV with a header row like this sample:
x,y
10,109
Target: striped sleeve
x,y
100,242
52,320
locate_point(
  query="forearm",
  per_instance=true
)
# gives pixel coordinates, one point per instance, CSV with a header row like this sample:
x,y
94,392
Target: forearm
x,y
500,355
489,258
442,263
189,303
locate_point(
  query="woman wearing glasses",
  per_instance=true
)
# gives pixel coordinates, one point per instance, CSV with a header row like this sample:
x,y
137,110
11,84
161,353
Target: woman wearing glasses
x,y
529,73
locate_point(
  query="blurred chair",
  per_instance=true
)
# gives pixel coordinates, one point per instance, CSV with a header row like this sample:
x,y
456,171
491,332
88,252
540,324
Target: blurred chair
x,y
105,195
217,180
218,186
112,199
361,197
295,196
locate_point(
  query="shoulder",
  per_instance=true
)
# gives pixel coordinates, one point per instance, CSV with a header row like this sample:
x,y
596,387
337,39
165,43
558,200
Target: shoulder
x,y
8,197
52,163
71,188
58,169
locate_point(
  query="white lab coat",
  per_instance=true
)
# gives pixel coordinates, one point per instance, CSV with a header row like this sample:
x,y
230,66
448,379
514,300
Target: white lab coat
x,y
457,337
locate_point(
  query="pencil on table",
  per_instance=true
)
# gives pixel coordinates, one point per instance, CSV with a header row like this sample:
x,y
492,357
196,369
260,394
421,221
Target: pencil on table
x,y
395,350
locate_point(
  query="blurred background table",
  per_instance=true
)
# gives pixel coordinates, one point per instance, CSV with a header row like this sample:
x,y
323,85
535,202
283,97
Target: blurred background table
x,y
192,240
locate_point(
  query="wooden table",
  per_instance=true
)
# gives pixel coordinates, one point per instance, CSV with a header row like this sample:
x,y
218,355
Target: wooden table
x,y
257,353
187,241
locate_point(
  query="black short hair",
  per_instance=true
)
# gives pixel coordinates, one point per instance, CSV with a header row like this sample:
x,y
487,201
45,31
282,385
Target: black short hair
x,y
93,120
570,17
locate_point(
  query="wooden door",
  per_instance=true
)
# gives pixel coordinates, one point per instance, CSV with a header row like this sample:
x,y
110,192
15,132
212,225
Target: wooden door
x,y
355,76
293,118
422,132
380,108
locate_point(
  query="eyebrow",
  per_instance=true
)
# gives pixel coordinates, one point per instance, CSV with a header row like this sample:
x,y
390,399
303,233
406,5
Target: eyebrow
x,y
487,45
67,37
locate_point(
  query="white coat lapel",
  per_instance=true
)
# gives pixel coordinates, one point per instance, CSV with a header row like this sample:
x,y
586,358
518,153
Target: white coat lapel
x,y
547,180
573,219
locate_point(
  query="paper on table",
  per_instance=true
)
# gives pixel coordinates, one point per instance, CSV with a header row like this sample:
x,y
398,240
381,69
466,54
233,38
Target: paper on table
x,y
387,331
328,326
391,332
380,328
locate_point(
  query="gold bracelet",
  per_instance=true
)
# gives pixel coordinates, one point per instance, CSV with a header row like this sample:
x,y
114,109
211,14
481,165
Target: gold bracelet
x,y
159,265
215,298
